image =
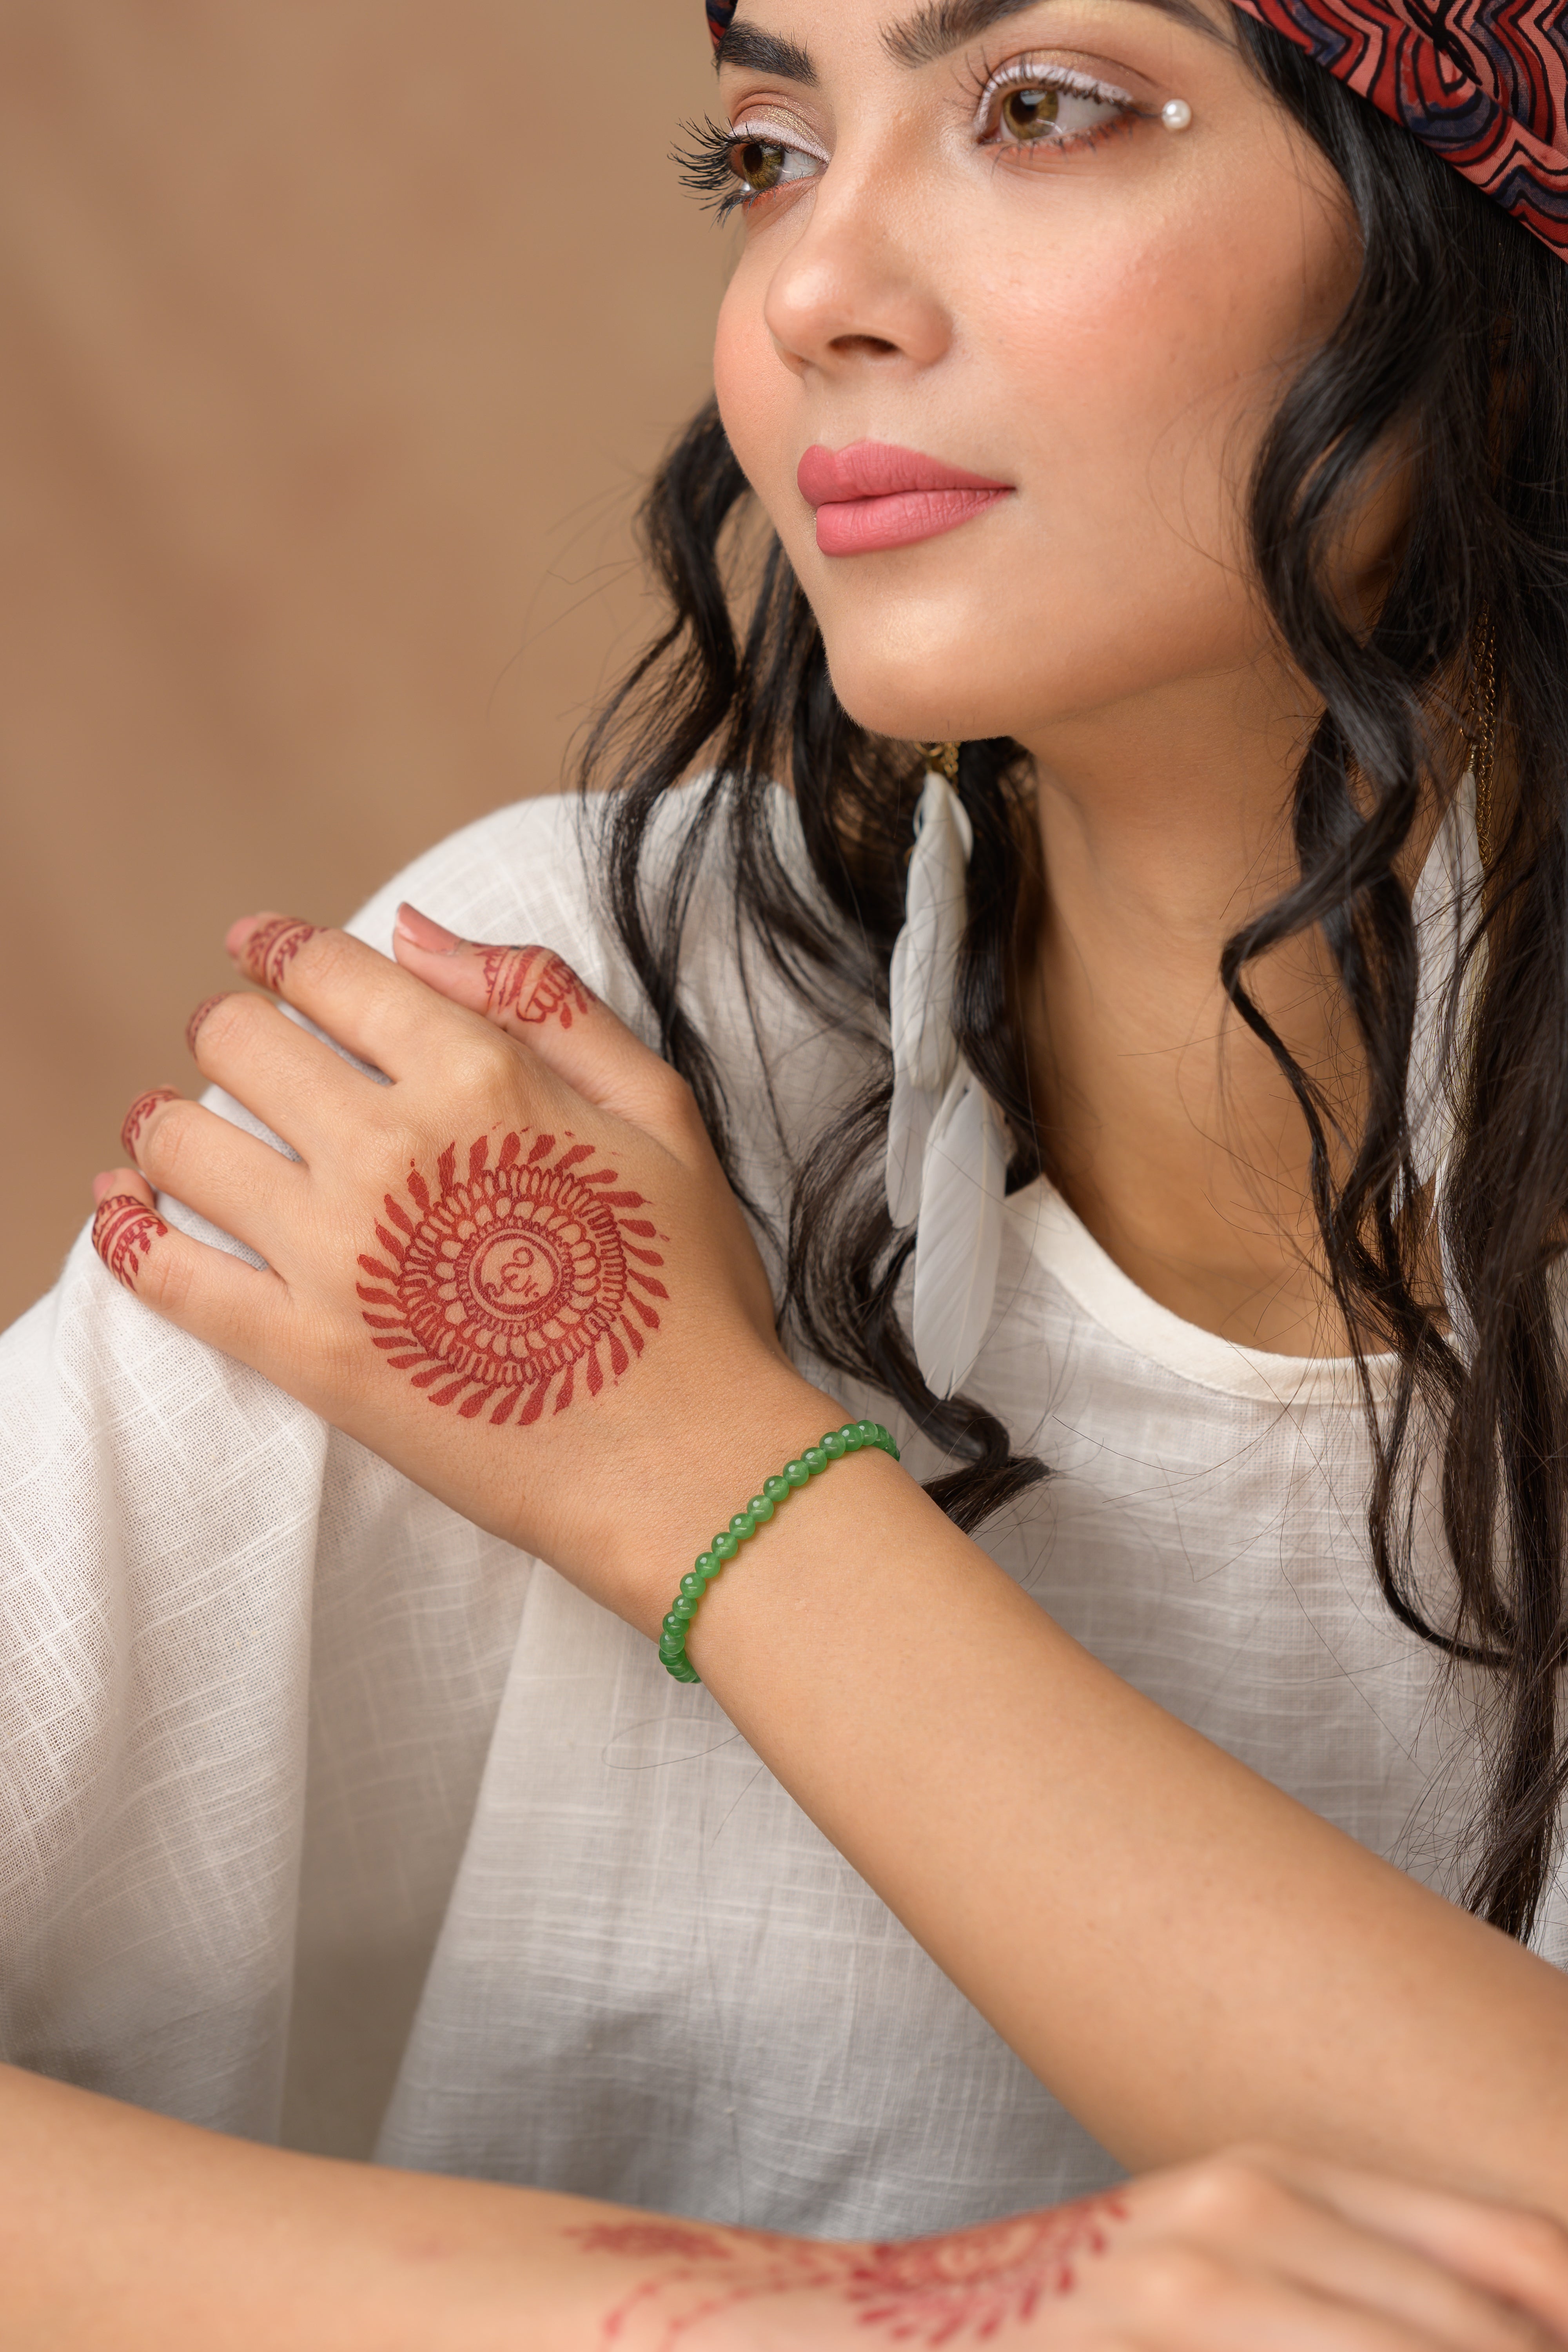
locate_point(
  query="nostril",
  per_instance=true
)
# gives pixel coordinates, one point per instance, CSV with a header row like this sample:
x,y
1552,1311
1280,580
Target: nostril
x,y
865,346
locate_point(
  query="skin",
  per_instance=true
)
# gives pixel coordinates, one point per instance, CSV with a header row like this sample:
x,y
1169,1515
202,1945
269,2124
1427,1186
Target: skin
x,y
1057,321
1187,1957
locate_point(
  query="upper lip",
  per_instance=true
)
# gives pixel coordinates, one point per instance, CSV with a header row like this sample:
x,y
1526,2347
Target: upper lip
x,y
877,469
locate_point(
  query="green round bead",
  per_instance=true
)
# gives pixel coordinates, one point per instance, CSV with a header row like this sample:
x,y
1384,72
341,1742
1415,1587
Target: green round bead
x,y
870,1432
672,1624
742,1526
815,1460
686,1606
833,1446
798,1474
777,1489
685,1671
671,1652
853,1440
706,1566
761,1510
725,1545
694,1584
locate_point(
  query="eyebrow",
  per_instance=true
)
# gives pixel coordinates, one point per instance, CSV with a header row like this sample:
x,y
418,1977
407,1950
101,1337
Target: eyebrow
x,y
933,32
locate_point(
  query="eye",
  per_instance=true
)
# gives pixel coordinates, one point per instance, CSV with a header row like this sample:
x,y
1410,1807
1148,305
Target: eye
x,y
730,168
1030,103
759,164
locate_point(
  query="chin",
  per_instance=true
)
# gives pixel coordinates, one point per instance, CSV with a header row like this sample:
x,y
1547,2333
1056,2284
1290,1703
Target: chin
x,y
924,696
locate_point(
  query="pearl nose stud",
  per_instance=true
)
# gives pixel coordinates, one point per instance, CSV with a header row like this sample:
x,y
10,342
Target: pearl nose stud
x,y
1175,114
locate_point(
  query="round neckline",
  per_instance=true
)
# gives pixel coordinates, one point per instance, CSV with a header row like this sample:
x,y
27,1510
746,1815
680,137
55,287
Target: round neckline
x,y
1061,1244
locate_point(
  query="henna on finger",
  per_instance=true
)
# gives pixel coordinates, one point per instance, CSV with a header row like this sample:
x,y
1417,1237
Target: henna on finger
x,y
139,1112
272,947
964,2286
499,1287
123,1232
206,1005
532,985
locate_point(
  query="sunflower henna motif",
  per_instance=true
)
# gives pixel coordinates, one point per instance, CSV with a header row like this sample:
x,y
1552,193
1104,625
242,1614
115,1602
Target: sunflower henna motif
x,y
495,1289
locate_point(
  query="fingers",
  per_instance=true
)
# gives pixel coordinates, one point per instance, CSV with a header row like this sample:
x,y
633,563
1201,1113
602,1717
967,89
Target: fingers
x,y
294,1083
357,996
532,994
235,1181
1386,2248
214,1297
1523,2257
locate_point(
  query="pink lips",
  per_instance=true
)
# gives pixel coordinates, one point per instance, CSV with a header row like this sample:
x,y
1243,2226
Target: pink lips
x,y
872,495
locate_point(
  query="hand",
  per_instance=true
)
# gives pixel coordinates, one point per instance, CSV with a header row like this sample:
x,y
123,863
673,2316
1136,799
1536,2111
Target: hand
x,y
1256,2251
516,1270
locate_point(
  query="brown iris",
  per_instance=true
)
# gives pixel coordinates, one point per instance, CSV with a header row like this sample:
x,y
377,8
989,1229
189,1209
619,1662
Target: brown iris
x,y
1030,111
758,163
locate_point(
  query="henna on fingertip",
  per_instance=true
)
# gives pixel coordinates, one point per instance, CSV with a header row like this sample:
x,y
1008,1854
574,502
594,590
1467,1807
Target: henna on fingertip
x,y
208,1004
123,1233
139,1112
265,952
524,986
533,985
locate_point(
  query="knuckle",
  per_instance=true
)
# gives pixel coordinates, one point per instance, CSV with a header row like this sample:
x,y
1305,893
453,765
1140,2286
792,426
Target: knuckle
x,y
1535,2240
166,1148
478,1062
1171,2281
1231,2192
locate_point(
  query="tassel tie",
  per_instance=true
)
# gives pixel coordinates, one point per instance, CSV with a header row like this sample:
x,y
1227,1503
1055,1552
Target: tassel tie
x,y
947,1153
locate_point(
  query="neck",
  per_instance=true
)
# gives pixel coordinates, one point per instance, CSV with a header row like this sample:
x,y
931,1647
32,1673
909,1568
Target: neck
x,y
1167,1125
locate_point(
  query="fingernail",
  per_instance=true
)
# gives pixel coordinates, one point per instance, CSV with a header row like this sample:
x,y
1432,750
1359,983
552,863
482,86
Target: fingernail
x,y
139,1112
200,1015
264,946
102,1188
422,932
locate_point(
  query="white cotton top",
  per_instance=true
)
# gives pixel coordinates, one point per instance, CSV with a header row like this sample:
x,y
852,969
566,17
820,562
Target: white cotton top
x,y
325,1817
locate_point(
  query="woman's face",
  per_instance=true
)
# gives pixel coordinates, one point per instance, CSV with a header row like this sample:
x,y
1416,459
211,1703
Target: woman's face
x,y
977,241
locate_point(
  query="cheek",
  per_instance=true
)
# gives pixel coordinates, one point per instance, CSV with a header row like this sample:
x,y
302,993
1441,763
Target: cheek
x,y
759,398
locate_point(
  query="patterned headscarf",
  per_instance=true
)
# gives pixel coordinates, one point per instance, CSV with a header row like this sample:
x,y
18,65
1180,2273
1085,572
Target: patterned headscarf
x,y
1483,82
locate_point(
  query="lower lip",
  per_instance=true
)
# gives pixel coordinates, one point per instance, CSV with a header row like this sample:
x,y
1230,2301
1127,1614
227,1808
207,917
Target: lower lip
x,y
864,526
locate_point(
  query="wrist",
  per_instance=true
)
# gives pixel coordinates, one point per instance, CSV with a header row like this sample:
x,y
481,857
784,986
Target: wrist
x,y
708,1472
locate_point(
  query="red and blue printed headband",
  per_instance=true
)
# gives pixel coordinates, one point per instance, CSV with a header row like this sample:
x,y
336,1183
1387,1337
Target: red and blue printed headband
x,y
1483,82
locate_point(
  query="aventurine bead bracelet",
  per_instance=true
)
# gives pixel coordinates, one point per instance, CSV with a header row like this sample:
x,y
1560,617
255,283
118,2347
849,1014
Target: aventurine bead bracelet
x,y
851,1439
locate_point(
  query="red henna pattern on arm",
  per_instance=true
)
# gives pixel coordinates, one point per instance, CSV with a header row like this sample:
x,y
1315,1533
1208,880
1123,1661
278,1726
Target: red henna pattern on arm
x,y
532,985
200,1015
123,1231
139,1112
272,948
499,1287
964,2286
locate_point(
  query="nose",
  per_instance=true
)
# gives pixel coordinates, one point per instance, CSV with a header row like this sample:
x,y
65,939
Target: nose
x,y
852,289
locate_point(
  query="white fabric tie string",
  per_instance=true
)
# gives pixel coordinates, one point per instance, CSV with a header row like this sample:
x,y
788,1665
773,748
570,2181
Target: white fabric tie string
x,y
947,1152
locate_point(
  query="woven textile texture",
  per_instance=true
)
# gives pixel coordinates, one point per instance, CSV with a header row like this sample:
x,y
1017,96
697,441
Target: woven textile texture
x,y
1483,82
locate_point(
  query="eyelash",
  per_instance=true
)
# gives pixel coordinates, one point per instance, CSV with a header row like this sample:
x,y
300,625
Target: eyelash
x,y
706,162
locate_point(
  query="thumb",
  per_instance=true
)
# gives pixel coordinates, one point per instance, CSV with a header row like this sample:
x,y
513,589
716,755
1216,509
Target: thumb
x,y
534,995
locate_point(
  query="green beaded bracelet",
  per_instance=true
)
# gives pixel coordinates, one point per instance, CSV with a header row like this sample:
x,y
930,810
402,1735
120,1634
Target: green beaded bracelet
x,y
850,1439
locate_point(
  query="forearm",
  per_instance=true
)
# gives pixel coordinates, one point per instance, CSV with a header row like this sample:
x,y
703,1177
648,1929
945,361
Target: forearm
x,y
121,2228
1187,1957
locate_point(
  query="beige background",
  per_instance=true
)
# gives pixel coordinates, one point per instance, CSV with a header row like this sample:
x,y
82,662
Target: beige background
x,y
336,337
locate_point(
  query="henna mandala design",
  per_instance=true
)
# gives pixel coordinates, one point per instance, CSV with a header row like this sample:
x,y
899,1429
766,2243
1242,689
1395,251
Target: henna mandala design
x,y
272,948
532,985
497,1288
139,1112
200,1015
963,2287
123,1231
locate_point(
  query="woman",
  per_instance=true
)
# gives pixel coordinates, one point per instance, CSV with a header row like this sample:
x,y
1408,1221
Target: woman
x,y
1133,403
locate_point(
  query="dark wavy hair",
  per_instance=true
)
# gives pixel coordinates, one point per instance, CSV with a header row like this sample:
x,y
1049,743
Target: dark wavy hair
x,y
1456,340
